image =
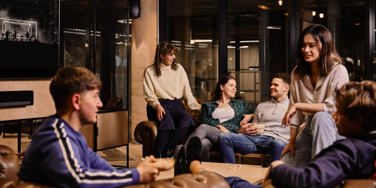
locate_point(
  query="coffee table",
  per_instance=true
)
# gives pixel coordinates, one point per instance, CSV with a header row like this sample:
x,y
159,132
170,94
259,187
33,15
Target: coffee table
x,y
252,173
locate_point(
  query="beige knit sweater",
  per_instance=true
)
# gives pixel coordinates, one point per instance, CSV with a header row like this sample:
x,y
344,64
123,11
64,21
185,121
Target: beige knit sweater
x,y
170,85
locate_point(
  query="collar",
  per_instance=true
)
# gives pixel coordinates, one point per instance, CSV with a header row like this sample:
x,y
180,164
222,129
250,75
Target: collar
x,y
286,100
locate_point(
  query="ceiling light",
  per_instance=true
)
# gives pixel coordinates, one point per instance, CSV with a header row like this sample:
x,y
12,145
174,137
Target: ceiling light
x,y
273,27
280,2
313,13
200,40
321,15
263,7
245,41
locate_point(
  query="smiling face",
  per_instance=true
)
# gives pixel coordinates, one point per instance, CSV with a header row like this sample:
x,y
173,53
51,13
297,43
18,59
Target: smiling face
x,y
168,59
311,49
89,104
229,89
278,89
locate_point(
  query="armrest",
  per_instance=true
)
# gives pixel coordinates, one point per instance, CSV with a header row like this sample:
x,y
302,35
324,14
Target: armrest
x,y
149,127
146,134
7,183
9,163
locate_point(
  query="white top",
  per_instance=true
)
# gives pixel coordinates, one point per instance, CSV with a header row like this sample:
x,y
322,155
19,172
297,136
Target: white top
x,y
172,84
302,91
223,114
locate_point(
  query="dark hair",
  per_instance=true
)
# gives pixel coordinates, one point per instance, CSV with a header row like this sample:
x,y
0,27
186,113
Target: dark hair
x,y
69,81
357,101
163,49
216,95
328,57
284,77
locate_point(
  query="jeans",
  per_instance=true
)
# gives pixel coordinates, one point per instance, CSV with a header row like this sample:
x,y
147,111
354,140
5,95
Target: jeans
x,y
209,136
236,182
319,133
244,144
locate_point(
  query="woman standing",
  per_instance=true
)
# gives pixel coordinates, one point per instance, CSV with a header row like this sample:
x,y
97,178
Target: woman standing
x,y
165,85
318,73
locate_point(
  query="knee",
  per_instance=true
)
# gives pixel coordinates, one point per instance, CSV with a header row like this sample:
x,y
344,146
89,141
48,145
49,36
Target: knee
x,y
321,116
225,138
278,144
186,120
322,120
206,145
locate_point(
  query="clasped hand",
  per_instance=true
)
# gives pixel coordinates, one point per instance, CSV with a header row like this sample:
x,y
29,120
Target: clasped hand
x,y
252,128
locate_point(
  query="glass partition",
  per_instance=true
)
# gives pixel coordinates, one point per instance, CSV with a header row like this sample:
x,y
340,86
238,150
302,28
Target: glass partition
x,y
261,39
192,28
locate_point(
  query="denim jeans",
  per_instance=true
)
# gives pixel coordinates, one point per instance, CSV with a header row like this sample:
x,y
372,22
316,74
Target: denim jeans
x,y
236,182
230,143
209,137
319,133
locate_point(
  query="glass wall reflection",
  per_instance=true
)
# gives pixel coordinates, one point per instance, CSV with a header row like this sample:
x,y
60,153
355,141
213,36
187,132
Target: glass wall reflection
x,y
261,37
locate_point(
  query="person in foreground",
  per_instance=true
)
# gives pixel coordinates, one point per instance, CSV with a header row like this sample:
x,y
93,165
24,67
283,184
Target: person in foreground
x,y
350,158
58,154
265,134
318,73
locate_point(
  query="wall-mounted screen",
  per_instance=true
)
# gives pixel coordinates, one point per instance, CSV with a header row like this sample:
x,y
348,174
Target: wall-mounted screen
x,y
29,38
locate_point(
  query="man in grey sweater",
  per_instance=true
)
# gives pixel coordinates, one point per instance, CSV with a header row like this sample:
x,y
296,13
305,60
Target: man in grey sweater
x,y
265,134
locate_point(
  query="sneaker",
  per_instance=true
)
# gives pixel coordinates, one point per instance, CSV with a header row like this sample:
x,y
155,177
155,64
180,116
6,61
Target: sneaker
x,y
193,150
181,165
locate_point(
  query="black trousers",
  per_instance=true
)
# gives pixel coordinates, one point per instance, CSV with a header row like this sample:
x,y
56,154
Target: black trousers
x,y
173,128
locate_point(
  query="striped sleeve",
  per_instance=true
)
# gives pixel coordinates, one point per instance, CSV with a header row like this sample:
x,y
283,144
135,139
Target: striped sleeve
x,y
86,170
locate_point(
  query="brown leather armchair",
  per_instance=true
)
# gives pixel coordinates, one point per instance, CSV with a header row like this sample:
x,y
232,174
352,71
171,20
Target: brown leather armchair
x,y
203,179
146,132
9,167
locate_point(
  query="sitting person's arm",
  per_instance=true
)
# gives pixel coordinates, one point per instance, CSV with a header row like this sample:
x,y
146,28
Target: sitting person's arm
x,y
247,118
71,167
342,160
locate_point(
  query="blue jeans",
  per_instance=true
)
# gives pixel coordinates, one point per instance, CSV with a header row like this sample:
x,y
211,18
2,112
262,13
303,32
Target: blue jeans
x,y
230,143
236,182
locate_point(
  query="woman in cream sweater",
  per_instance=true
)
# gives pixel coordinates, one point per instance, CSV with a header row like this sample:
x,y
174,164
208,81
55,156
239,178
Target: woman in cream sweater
x,y
165,86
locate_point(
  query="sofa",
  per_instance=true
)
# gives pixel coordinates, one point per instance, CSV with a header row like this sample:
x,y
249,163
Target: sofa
x,y
10,164
146,133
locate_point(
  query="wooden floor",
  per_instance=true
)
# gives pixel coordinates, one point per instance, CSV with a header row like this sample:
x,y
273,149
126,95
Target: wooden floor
x,y
115,156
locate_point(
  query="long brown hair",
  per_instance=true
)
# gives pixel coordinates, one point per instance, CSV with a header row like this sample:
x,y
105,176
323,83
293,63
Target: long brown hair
x,y
163,49
328,57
